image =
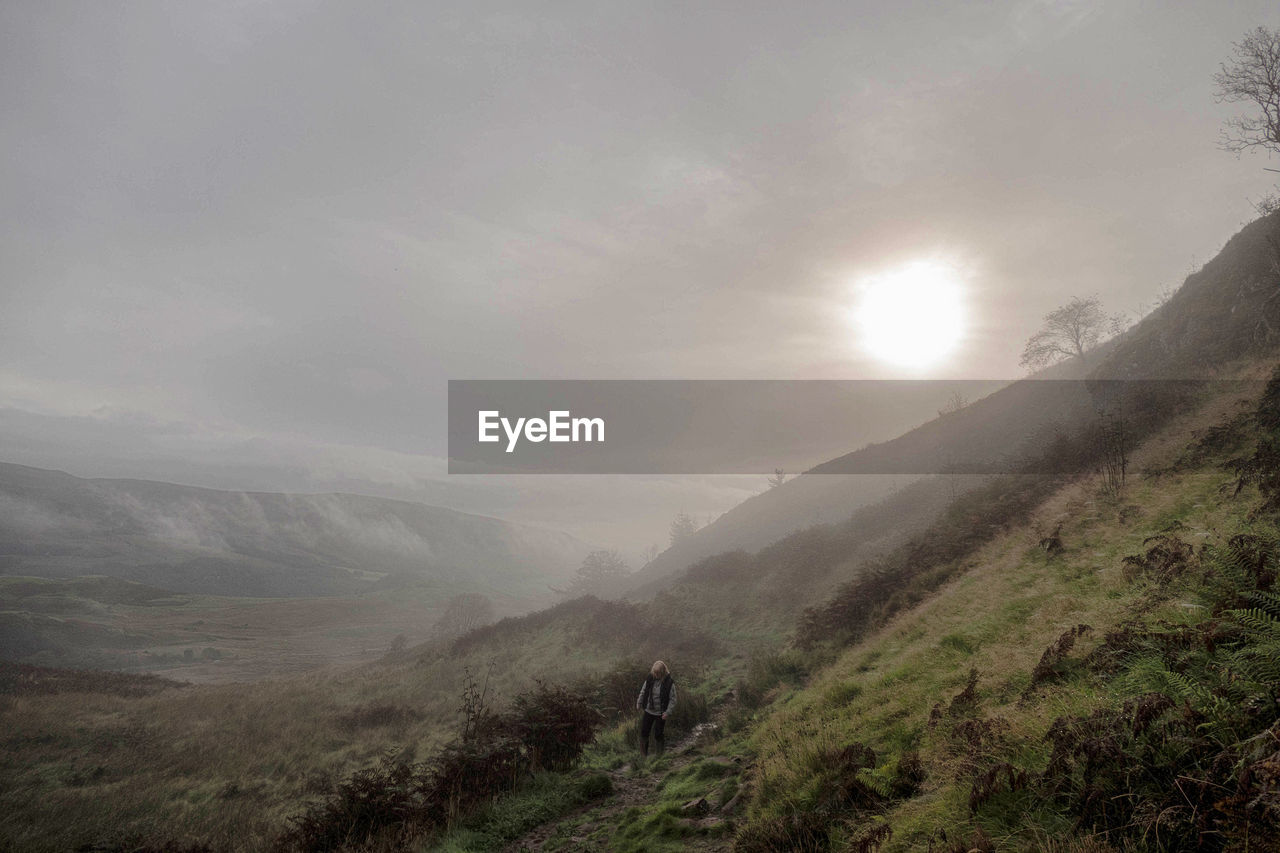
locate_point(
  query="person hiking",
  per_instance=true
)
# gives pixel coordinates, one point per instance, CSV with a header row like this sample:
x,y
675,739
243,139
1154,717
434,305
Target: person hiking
x,y
657,700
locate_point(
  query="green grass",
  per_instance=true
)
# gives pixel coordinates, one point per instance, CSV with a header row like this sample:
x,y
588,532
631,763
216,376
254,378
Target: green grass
x,y
543,798
998,617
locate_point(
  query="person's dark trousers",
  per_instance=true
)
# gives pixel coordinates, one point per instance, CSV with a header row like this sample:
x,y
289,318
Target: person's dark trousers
x,y
655,723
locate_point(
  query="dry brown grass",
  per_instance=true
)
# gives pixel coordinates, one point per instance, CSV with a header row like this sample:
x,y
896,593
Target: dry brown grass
x,y
228,764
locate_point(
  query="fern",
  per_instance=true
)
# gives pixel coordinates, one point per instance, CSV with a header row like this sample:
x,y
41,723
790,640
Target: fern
x,y
878,780
1231,572
1265,600
1189,757
1260,624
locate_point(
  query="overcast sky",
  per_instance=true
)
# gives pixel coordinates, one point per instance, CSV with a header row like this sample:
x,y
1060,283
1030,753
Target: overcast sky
x,y
246,244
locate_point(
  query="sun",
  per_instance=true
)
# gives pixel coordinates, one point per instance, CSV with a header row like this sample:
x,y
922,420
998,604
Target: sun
x,y
911,316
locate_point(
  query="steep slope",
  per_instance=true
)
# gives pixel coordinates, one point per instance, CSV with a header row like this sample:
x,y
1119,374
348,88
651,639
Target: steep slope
x,y
756,596
1118,687
196,540
1224,311
798,503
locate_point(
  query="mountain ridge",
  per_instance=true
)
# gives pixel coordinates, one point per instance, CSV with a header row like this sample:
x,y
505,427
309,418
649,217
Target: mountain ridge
x,y
1222,311
202,540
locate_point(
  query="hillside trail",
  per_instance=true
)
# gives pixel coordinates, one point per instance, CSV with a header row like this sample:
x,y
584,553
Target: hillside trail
x,y
629,789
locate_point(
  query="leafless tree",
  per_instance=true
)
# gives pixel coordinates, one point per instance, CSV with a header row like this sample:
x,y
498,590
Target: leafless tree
x,y
1252,77
1068,332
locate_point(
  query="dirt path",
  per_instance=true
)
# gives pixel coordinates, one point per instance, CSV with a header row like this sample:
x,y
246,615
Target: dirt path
x,y
628,790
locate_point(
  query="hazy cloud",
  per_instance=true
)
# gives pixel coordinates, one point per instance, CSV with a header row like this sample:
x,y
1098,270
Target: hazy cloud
x,y
255,240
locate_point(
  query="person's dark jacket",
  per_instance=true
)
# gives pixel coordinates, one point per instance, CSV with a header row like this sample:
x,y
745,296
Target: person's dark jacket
x,y
660,701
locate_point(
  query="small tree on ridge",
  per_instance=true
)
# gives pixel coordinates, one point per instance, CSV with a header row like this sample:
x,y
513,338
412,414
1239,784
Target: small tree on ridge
x,y
1067,332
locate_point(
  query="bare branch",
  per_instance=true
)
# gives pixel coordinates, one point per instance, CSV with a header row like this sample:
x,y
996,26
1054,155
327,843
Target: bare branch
x,y
1252,77
1068,332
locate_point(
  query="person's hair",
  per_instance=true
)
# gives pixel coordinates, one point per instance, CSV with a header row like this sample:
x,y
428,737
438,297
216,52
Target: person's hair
x,y
659,669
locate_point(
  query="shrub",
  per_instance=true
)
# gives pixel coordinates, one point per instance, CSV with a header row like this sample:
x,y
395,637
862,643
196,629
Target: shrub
x,y
553,725
618,687
396,802
382,801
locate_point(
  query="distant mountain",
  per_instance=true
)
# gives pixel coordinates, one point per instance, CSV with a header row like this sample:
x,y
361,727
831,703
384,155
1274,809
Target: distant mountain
x,y
196,540
1227,310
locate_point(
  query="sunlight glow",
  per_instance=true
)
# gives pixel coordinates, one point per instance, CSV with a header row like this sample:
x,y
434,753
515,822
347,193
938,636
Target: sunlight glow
x,y
911,316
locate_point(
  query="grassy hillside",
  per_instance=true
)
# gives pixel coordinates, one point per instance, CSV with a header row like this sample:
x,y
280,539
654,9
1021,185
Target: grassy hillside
x,y
752,599
798,503
966,721
232,586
